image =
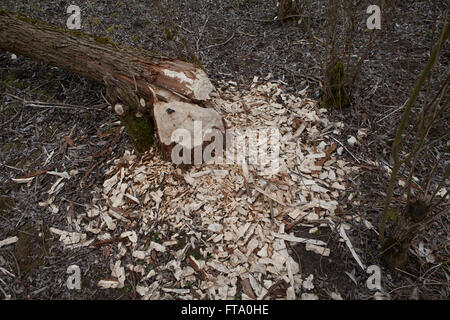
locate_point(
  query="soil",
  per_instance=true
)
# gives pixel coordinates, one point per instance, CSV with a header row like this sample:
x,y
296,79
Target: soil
x,y
234,40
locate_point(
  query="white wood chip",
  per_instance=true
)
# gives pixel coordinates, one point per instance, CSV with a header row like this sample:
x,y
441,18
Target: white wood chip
x,y
132,198
218,266
317,249
252,245
131,235
117,216
68,238
8,241
156,246
297,239
352,140
336,296
22,180
139,254
64,174
308,284
263,252
215,227
108,220
350,246
290,293
309,296
177,291
109,284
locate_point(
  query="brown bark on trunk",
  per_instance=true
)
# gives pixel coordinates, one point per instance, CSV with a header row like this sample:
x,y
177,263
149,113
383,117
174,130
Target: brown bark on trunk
x,y
396,247
136,80
287,9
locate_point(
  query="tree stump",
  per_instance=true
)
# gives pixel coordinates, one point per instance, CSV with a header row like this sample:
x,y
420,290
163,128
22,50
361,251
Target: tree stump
x,y
287,9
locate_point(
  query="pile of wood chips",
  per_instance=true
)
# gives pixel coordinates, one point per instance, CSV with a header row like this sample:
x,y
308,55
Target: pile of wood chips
x,y
219,231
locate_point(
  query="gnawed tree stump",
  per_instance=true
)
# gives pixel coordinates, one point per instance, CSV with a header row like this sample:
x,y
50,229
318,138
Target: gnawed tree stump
x,y
410,221
153,94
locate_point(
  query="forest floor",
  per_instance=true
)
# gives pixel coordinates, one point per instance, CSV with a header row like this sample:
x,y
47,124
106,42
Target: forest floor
x,y
235,40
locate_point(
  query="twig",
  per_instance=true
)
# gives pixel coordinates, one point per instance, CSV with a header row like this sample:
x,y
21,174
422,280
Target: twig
x,y
4,293
90,171
193,230
108,148
273,287
270,197
391,113
10,119
134,284
304,76
11,167
117,210
100,243
175,29
201,34
415,228
220,44
40,104
357,160
37,173
397,144
255,20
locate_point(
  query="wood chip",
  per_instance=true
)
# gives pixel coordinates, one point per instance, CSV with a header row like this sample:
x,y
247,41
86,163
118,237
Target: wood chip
x,y
8,241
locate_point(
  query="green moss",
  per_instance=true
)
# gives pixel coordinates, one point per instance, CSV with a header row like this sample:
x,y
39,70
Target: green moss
x,y
93,20
75,33
154,237
168,34
6,147
102,40
336,94
10,78
114,27
393,214
27,19
188,285
12,81
195,253
137,38
140,129
36,154
30,249
117,15
6,204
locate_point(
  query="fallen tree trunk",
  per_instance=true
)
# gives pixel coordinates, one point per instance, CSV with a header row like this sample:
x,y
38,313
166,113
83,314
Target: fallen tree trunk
x,y
151,93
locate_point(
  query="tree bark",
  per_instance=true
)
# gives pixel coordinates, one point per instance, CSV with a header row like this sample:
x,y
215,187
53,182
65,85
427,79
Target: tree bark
x,y
287,9
141,86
